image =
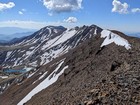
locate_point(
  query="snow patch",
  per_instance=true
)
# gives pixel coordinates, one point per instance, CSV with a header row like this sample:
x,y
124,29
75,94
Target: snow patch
x,y
8,55
50,42
65,36
55,30
43,75
28,68
34,64
3,77
16,62
30,75
31,48
95,32
112,37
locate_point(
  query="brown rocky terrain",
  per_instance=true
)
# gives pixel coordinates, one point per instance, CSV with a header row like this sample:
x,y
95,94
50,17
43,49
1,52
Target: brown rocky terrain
x,y
110,77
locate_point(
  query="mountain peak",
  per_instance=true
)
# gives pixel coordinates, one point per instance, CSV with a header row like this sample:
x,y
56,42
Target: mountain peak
x,y
54,27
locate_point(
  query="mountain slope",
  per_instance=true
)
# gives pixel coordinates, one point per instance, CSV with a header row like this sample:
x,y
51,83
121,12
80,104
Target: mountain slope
x,y
45,45
102,69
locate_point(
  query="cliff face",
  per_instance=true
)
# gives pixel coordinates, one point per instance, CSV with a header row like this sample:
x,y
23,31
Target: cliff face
x,y
103,69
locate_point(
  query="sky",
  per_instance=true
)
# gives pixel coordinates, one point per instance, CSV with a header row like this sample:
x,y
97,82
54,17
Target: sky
x,y
122,15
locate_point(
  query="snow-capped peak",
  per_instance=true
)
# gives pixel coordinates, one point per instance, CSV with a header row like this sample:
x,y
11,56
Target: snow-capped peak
x,y
112,37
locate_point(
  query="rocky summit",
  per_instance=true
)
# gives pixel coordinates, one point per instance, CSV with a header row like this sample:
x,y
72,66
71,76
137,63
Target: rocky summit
x,y
84,65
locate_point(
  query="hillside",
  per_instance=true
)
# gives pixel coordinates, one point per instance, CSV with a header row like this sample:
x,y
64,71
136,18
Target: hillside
x,y
80,66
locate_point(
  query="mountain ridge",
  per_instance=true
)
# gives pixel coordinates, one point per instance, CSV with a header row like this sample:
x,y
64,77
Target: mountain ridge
x,y
37,40
88,65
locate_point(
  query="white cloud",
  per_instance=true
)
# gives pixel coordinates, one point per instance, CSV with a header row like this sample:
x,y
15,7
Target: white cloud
x,y
62,5
23,10
134,10
71,20
4,6
119,7
20,12
50,14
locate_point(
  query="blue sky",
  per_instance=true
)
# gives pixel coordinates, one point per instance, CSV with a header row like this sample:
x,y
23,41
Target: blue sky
x,y
121,15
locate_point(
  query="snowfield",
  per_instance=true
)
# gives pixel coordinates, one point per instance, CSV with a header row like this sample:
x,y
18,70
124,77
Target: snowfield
x,y
45,83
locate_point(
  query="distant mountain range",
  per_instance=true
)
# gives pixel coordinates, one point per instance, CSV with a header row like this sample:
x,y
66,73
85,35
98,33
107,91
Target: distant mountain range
x,y
134,34
9,33
13,30
5,38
